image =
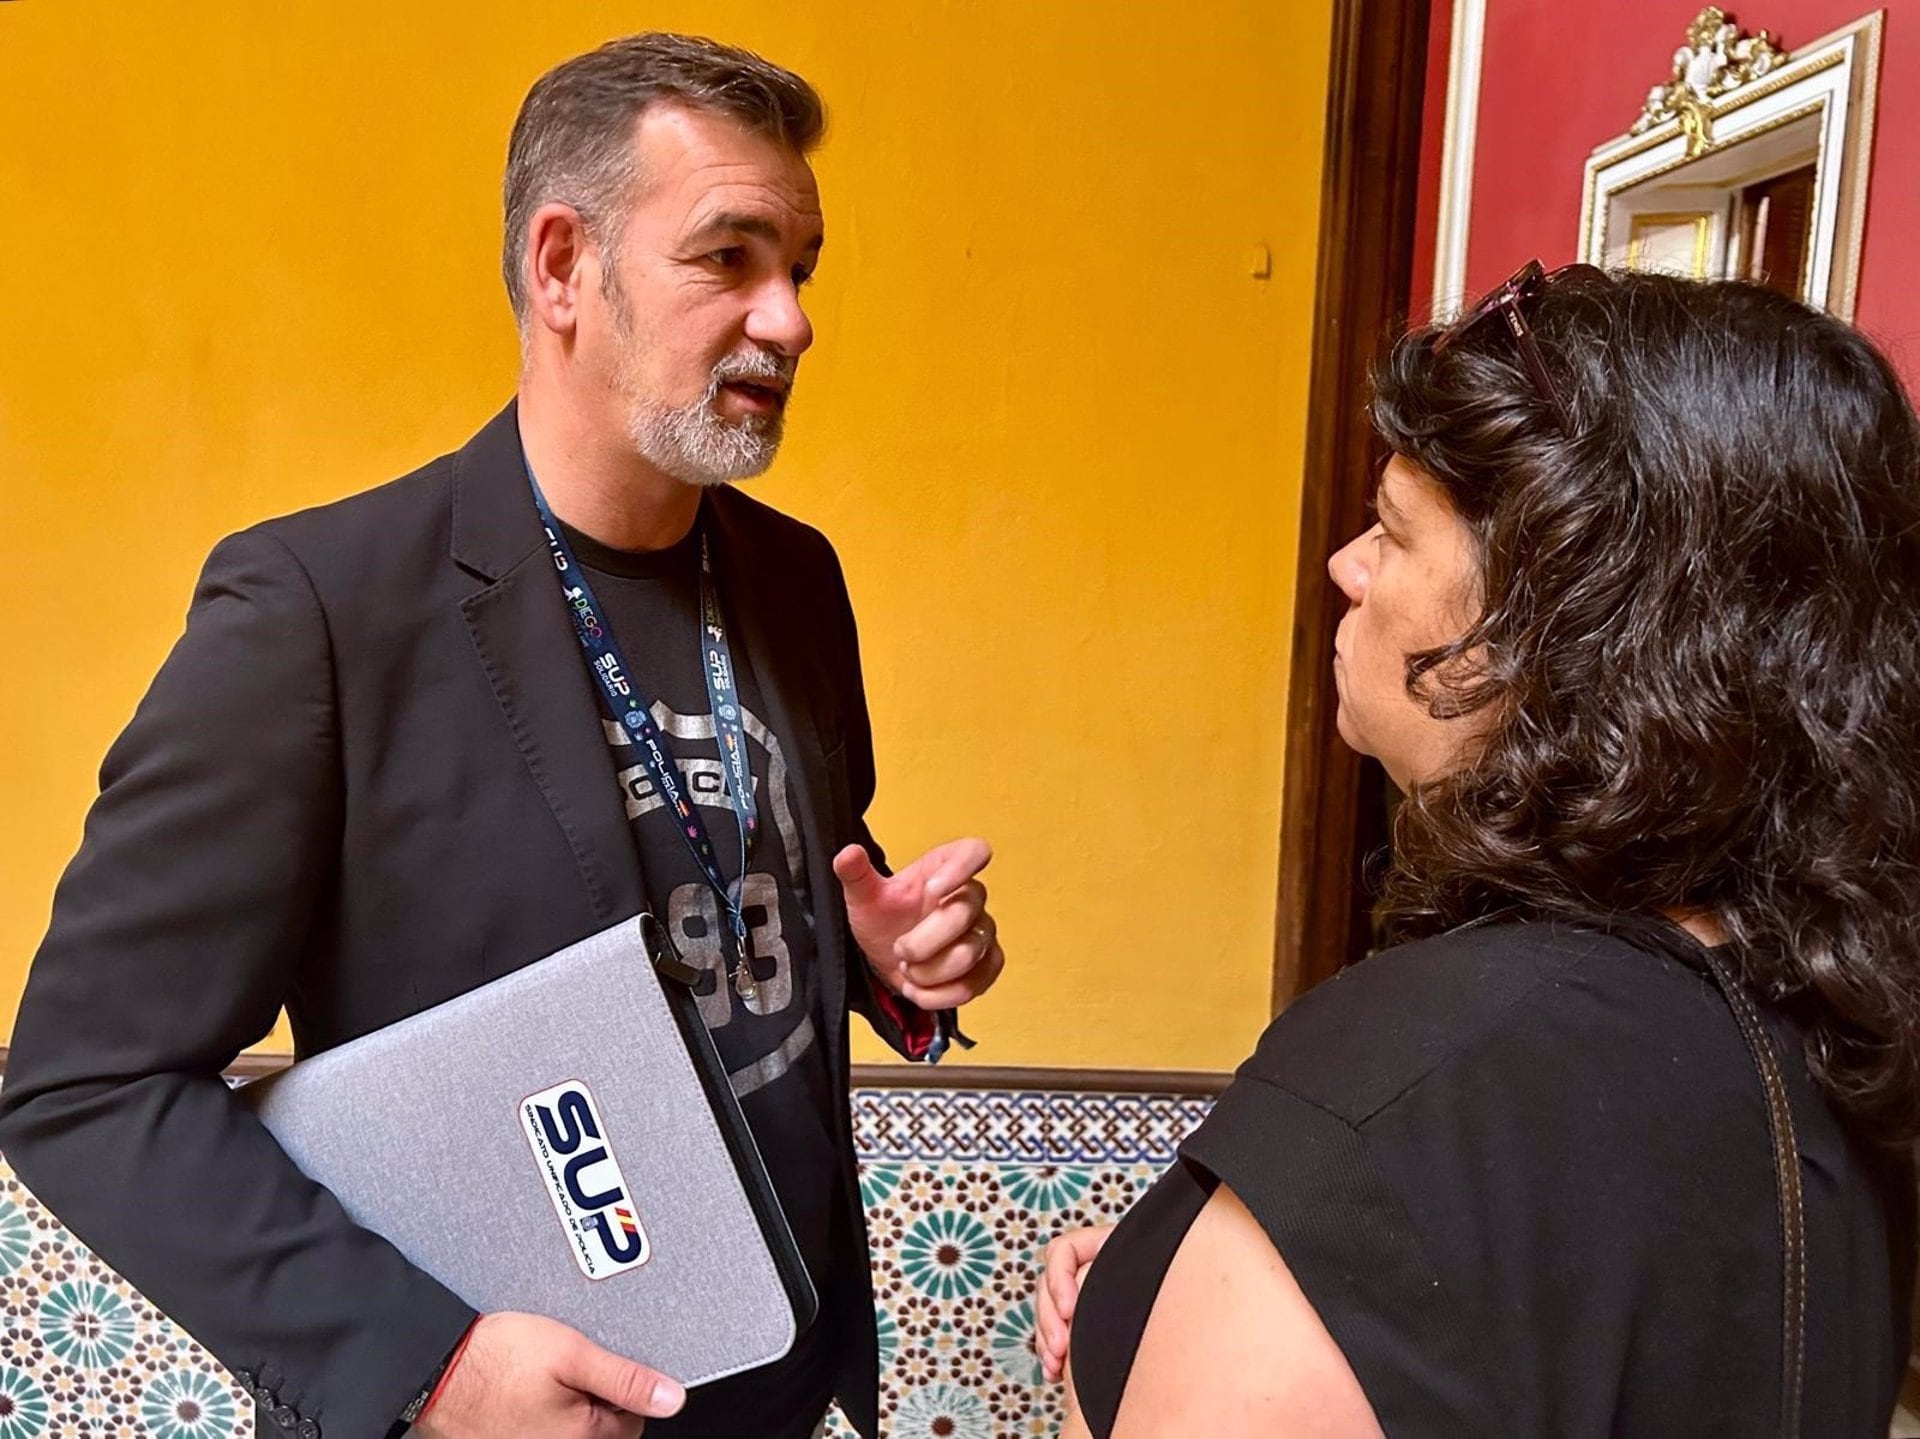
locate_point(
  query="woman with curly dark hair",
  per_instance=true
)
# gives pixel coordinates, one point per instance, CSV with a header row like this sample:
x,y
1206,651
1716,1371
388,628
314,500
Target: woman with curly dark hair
x,y
1614,1140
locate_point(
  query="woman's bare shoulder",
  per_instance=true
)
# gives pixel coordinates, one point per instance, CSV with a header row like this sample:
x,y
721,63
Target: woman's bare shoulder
x,y
1233,1349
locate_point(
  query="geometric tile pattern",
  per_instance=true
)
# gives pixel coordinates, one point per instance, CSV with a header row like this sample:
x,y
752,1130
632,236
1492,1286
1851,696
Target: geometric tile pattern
x,y
962,1188
82,1354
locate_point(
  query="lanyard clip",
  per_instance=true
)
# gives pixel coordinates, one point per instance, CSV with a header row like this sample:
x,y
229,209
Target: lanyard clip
x,y
661,954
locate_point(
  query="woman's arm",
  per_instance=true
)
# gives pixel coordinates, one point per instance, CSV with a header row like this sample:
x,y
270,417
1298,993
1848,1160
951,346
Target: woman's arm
x,y
1233,1350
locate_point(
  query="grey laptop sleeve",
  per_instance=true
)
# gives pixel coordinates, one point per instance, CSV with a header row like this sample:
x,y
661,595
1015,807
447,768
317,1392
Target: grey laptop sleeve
x,y
562,1141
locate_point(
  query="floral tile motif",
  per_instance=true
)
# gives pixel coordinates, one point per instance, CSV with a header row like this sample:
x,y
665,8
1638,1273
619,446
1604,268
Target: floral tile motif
x,y
16,1235
87,1324
1012,1348
24,1410
942,1411
948,1253
186,1404
963,1189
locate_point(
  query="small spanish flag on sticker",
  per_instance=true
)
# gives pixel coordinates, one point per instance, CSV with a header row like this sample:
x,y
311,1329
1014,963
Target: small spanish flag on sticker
x,y
625,1216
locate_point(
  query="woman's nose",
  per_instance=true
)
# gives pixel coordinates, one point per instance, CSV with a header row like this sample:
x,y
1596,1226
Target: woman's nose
x,y
1347,567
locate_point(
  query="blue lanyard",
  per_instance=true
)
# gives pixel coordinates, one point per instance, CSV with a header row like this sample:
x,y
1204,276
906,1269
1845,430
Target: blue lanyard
x,y
619,690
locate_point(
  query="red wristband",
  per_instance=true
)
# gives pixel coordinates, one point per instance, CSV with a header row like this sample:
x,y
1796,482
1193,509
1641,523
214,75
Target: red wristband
x,y
916,1029
447,1373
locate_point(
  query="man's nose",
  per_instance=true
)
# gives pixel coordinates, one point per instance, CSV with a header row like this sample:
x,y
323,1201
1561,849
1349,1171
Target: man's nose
x,y
778,323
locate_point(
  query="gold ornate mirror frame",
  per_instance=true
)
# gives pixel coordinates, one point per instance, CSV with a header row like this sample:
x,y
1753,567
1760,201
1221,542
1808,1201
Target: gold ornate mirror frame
x,y
1740,113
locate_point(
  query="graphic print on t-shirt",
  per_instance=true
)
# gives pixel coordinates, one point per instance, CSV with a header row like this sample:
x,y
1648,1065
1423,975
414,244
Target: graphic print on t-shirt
x,y
775,1024
772,1047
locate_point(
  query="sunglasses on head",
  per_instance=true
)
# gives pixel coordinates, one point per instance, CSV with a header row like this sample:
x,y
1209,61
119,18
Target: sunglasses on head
x,y
1509,301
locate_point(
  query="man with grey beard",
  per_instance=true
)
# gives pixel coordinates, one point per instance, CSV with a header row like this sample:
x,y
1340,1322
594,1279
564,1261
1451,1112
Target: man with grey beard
x,y
416,739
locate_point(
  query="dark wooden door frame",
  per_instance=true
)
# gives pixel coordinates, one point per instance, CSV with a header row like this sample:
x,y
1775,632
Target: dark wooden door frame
x,y
1332,806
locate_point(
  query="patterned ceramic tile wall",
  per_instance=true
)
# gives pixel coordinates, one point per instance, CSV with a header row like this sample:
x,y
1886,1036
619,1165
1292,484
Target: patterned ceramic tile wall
x,y
962,1188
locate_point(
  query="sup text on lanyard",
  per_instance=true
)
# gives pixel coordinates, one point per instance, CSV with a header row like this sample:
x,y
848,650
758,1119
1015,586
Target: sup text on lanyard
x,y
620,696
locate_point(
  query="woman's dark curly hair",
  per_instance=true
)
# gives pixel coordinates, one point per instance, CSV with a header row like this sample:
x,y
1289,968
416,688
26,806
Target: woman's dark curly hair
x,y
1698,661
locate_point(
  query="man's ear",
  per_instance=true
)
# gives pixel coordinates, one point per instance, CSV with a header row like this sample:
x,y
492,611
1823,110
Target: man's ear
x,y
562,265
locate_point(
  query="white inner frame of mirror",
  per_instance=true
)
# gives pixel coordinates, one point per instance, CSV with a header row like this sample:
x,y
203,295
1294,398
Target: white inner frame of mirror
x,y
1738,111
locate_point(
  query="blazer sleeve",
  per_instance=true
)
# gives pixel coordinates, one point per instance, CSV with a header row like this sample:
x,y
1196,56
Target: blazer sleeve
x,y
908,1030
177,933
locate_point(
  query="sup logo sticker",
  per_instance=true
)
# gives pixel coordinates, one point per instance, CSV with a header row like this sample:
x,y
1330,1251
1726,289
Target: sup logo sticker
x,y
583,1180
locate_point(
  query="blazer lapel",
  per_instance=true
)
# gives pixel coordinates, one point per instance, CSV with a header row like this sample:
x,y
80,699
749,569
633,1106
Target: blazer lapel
x,y
791,715
521,634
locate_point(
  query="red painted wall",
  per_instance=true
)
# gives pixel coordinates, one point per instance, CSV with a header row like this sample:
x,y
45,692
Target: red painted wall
x,y
1433,136
1559,79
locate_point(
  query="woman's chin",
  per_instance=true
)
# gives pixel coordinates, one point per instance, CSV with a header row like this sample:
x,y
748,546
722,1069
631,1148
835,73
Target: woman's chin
x,y
1349,735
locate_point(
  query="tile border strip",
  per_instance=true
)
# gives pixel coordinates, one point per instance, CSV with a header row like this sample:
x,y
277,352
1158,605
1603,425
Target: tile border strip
x,y
1183,1082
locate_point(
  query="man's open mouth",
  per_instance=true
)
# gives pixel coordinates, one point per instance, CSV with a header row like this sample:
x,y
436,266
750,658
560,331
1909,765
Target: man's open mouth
x,y
762,394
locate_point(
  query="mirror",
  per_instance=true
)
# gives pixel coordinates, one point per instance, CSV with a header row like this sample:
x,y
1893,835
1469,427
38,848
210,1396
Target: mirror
x,y
1748,162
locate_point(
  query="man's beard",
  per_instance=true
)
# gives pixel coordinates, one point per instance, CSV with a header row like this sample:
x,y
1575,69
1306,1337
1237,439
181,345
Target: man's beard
x,y
693,442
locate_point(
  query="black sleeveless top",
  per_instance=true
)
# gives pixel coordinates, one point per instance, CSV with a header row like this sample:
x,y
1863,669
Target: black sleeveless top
x,y
1523,1174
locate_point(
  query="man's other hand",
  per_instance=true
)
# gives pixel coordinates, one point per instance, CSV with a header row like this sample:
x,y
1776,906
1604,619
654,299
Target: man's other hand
x,y
522,1375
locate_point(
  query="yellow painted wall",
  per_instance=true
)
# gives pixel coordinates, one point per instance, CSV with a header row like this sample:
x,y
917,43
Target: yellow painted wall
x,y
1053,421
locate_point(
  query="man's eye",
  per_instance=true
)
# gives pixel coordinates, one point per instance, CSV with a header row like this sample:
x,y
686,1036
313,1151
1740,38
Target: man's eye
x,y
802,277
732,257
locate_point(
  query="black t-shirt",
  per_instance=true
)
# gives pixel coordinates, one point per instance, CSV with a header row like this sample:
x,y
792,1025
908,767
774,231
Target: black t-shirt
x,y
1523,1174
771,1044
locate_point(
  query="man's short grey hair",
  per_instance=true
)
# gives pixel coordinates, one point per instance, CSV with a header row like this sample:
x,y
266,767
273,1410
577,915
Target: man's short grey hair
x,y
573,140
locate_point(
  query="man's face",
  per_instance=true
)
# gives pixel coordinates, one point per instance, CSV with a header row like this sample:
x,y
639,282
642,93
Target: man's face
x,y
704,328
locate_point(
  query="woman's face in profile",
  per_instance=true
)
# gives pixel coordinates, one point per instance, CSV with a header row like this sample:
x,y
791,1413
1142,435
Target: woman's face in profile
x,y
1411,583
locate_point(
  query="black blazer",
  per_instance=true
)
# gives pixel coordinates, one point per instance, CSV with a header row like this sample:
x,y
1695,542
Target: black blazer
x,y
370,777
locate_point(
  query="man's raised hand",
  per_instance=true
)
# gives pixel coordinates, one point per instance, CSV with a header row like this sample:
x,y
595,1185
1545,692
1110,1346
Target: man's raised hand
x,y
925,931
